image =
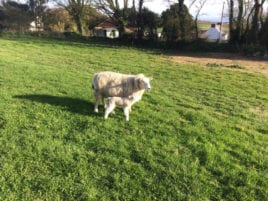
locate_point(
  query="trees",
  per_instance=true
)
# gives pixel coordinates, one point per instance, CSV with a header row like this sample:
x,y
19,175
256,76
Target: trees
x,y
114,9
245,20
240,21
15,16
264,35
58,20
236,22
37,9
181,15
92,17
231,20
199,4
140,23
145,20
150,22
246,23
130,15
76,9
256,20
175,26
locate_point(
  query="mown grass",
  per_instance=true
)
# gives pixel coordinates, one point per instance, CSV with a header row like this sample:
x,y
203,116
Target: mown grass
x,y
200,134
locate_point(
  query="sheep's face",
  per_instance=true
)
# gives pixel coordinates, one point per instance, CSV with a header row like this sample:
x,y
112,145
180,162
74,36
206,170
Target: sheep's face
x,y
144,83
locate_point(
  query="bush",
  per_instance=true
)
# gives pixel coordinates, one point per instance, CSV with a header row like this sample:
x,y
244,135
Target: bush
x,y
201,46
252,50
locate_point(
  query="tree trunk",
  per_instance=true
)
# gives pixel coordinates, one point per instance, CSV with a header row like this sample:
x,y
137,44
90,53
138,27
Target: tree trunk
x,y
196,28
261,13
181,19
239,25
231,21
255,26
140,25
78,24
246,33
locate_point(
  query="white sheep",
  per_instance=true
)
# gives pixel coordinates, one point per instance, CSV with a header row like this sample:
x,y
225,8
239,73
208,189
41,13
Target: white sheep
x,y
123,102
111,84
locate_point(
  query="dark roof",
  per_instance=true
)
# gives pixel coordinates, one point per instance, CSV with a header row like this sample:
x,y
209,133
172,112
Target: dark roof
x,y
108,23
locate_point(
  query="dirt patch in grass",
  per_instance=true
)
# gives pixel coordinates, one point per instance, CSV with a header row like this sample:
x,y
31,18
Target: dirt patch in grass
x,y
260,111
223,60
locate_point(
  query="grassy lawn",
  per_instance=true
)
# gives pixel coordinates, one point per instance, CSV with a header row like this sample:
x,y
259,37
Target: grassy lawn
x,y
200,134
204,26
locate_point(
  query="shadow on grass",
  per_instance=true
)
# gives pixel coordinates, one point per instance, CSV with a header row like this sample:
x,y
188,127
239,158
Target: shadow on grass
x,y
74,105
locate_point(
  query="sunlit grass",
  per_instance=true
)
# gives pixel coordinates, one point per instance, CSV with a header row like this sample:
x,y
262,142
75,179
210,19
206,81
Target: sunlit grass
x,y
200,134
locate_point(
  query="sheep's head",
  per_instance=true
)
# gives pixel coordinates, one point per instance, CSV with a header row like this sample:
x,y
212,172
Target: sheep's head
x,y
144,82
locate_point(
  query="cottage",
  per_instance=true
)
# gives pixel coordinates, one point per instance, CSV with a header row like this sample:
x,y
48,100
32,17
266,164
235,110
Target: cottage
x,y
107,29
214,33
37,25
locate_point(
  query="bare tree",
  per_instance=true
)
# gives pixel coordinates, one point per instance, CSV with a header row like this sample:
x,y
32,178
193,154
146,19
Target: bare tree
x,y
76,10
239,22
261,12
140,24
58,19
182,18
115,9
256,20
231,20
199,4
248,11
38,9
15,16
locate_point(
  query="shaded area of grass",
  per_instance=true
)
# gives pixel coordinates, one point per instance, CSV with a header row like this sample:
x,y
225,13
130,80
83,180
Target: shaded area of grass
x,y
236,66
200,134
73,105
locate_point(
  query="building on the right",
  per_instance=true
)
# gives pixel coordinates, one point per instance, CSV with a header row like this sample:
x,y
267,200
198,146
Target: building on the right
x,y
215,33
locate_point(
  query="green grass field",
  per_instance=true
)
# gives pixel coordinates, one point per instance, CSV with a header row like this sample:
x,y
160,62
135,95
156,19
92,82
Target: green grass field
x,y
200,134
204,26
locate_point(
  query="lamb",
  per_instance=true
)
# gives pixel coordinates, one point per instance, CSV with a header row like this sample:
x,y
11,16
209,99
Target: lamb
x,y
124,102
111,84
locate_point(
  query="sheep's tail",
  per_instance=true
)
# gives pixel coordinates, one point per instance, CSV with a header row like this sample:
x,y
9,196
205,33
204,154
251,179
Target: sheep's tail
x,y
93,84
94,81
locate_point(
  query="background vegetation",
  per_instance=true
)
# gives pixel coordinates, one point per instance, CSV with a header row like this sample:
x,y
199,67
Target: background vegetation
x,y
247,20
200,134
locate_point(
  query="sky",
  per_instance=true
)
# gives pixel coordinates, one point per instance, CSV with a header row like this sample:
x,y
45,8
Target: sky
x,y
211,11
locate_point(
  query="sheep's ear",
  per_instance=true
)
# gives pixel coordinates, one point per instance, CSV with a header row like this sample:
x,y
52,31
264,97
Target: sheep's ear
x,y
138,78
140,75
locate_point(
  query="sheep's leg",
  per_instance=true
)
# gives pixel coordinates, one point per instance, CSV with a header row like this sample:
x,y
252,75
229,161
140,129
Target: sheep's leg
x,y
106,104
108,110
96,105
126,111
97,100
